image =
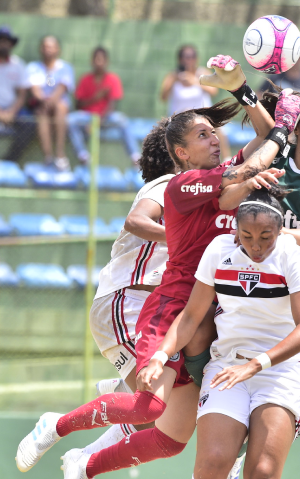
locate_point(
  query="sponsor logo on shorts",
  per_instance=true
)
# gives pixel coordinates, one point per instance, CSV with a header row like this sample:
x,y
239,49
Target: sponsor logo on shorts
x,y
138,336
203,400
214,349
197,188
248,281
175,358
121,361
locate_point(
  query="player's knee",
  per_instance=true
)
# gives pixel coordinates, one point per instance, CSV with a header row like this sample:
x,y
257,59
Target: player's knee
x,y
265,468
216,464
150,406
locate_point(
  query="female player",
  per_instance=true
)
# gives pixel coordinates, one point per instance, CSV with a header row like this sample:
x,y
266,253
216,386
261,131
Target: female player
x,y
193,219
258,289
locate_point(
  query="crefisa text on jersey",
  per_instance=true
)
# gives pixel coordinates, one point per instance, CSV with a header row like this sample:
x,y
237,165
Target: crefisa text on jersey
x,y
197,188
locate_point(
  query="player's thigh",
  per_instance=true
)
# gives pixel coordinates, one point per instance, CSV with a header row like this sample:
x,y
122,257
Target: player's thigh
x,y
179,419
219,439
272,431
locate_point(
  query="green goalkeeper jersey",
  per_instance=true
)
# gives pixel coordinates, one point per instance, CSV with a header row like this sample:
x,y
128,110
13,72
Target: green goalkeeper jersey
x,y
291,179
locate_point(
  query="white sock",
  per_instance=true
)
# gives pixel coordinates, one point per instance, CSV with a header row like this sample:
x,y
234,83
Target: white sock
x,y
112,436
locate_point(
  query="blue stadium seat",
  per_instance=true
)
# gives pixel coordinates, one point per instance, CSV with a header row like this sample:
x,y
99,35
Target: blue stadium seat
x,y
134,179
43,176
36,275
108,178
140,127
238,136
78,274
5,229
28,224
117,224
7,276
79,225
11,174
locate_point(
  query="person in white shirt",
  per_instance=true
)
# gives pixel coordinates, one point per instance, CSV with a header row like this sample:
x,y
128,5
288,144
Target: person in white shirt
x,y
51,83
252,380
13,86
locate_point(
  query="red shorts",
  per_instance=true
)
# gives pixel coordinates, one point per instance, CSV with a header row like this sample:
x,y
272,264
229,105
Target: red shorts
x,y
157,315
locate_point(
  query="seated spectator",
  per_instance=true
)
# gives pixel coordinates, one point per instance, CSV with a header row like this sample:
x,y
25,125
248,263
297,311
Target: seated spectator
x,y
182,90
13,85
288,79
98,93
51,81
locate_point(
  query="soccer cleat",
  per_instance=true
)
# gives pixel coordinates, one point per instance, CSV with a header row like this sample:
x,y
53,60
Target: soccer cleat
x,y
38,441
117,385
235,471
74,464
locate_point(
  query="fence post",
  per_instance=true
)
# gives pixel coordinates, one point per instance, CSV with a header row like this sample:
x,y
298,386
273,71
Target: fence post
x,y
91,255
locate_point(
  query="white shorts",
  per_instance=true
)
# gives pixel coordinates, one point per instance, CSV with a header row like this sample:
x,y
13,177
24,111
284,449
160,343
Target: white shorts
x,y
112,320
279,385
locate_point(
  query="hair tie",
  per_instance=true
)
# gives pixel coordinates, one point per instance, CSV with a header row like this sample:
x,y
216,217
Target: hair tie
x,y
263,204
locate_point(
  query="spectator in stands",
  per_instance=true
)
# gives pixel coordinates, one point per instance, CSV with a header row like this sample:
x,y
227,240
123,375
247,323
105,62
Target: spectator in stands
x,y
98,93
13,85
182,90
289,79
51,81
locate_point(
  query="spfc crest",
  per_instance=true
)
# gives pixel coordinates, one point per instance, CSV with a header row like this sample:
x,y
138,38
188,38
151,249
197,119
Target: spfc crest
x,y
203,400
248,281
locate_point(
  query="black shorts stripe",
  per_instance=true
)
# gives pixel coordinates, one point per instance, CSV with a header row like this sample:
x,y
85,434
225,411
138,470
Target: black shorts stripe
x,y
119,323
126,429
131,344
230,290
138,272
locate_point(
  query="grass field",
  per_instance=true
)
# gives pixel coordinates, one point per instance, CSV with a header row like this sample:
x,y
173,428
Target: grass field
x,y
41,387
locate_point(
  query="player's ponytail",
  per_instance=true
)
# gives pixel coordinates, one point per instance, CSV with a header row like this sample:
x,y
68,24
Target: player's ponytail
x,y
181,124
265,201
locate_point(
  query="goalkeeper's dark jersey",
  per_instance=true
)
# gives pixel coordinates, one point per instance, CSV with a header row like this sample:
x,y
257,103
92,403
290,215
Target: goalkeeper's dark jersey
x,y
291,179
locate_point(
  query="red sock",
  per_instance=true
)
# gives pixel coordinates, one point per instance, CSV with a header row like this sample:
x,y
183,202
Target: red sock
x,y
113,408
139,447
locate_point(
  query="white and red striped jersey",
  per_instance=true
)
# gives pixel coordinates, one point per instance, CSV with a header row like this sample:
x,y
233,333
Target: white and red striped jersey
x,y
255,310
134,260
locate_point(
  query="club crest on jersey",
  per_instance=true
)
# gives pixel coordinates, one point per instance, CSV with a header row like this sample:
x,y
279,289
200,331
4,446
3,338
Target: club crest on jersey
x,y
203,400
175,358
248,281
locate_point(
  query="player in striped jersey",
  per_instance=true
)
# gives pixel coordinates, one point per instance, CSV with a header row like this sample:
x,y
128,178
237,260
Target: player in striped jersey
x,y
258,288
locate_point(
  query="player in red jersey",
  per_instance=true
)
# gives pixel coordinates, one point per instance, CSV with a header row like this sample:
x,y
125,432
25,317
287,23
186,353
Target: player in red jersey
x,y
192,137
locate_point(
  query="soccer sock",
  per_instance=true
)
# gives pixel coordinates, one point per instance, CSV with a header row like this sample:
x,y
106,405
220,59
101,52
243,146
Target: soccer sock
x,y
112,436
140,447
114,408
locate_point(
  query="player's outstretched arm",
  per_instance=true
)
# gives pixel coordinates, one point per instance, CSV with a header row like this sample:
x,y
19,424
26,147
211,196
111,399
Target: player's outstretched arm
x,y
285,349
229,76
180,333
142,221
286,118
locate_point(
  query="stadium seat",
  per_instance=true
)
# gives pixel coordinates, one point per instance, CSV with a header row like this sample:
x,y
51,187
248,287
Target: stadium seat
x,y
79,225
117,224
42,176
108,178
7,276
11,174
5,229
238,136
43,276
78,274
134,179
31,224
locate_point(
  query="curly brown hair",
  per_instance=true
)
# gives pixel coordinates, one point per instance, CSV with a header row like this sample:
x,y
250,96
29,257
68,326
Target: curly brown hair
x,y
155,160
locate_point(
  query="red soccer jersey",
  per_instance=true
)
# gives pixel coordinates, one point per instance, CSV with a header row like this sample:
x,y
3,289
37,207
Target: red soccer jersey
x,y
193,219
88,87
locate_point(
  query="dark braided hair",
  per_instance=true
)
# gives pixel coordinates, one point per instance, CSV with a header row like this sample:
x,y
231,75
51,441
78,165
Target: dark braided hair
x,y
181,124
271,197
155,160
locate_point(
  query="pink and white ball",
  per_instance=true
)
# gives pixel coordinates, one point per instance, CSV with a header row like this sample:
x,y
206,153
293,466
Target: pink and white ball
x,y
272,44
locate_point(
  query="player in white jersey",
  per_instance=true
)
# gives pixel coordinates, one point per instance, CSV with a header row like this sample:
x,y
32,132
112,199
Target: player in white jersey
x,y
258,288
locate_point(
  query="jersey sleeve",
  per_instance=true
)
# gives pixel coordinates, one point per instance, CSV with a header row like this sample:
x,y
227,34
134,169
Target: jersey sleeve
x,y
193,188
238,159
292,266
209,262
116,90
157,193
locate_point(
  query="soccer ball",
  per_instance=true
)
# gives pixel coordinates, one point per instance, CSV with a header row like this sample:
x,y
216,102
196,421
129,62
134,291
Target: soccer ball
x,y
272,44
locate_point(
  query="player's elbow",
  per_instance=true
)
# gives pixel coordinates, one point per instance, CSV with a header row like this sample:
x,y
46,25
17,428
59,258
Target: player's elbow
x,y
130,224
